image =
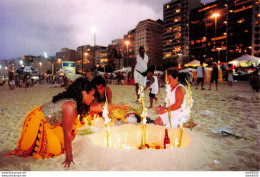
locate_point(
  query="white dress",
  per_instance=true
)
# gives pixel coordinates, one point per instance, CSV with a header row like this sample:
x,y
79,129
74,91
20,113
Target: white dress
x,y
176,115
141,66
230,77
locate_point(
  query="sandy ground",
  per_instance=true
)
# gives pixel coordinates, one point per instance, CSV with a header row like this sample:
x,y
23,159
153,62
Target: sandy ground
x,y
237,107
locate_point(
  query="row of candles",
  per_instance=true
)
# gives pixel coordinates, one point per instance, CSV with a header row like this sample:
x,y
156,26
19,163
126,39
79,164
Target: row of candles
x,y
122,142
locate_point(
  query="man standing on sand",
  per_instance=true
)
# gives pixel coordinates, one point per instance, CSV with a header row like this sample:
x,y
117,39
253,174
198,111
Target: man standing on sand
x,y
214,76
139,69
200,75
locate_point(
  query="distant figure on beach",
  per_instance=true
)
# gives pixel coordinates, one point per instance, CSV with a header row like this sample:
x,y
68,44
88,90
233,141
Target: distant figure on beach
x,y
101,89
230,77
200,75
177,98
154,86
11,80
214,76
119,78
139,69
49,129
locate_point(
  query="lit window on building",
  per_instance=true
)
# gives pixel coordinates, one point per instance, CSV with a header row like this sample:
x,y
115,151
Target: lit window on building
x,y
168,6
241,20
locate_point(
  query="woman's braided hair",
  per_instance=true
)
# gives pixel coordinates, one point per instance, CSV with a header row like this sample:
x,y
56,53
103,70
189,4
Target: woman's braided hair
x,y
74,91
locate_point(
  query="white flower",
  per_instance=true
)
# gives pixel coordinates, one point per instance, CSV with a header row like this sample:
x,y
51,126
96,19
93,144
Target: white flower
x,y
144,114
144,121
105,114
140,90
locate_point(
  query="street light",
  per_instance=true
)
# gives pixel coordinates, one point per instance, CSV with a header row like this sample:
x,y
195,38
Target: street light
x,y
127,43
215,15
59,61
94,33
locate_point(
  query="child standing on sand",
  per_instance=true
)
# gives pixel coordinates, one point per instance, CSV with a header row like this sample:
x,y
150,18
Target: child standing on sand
x,y
154,86
230,77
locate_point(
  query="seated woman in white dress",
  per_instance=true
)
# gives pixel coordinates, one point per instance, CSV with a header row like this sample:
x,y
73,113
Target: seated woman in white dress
x,y
177,99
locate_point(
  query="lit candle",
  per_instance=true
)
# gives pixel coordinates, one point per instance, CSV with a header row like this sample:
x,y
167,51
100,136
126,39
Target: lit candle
x,y
109,141
118,140
138,135
126,137
176,142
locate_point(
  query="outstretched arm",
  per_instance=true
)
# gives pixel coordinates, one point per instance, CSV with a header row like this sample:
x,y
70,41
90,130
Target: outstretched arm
x,y
69,115
151,82
99,107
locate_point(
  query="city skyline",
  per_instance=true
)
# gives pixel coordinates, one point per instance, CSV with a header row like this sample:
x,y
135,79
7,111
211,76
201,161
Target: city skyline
x,y
35,27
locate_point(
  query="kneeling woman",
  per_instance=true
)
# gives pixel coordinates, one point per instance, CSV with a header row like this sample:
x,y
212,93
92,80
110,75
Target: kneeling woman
x,y
49,129
177,98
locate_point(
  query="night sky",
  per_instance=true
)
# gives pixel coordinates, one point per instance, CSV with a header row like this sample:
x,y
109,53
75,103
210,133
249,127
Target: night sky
x,y
32,27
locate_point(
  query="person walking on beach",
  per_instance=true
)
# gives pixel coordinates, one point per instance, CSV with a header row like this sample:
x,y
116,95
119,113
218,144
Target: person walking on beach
x,y
154,86
139,69
200,75
230,77
48,130
11,81
214,76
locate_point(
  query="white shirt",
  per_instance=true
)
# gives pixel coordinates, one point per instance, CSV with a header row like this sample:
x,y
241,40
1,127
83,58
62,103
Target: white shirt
x,y
154,86
200,73
141,64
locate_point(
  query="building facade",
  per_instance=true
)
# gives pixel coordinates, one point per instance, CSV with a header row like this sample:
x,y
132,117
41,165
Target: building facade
x,y
85,58
226,30
129,48
149,34
209,43
65,55
176,30
256,29
115,54
101,59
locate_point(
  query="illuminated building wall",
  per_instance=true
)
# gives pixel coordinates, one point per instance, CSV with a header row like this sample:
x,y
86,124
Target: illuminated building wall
x,y
176,30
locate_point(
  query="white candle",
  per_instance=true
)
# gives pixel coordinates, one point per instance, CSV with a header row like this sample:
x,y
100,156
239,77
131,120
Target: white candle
x,y
109,141
126,137
138,135
176,142
118,140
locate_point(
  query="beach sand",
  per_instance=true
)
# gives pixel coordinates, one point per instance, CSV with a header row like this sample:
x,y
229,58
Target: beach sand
x,y
237,107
